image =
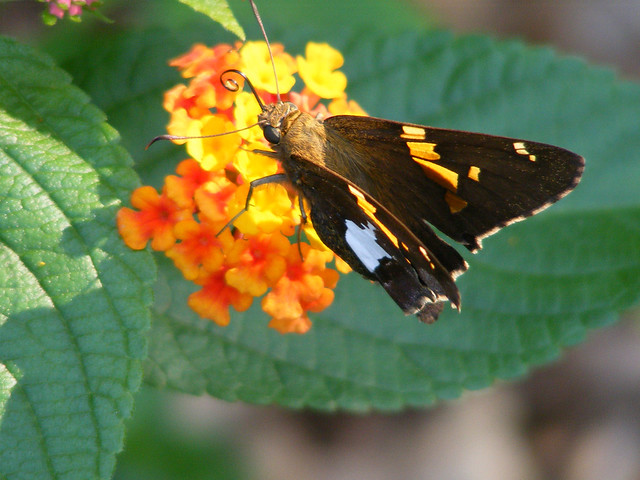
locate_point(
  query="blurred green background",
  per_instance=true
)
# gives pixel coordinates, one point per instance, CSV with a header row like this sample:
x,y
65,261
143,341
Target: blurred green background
x,y
577,419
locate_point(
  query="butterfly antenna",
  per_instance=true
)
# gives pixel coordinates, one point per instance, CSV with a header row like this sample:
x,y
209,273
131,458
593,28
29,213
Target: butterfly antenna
x,y
232,85
264,34
180,137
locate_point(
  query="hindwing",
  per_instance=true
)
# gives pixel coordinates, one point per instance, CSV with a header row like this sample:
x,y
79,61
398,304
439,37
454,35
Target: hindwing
x,y
375,243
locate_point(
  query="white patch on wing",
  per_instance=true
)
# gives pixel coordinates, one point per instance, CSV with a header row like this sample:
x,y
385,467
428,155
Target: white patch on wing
x,y
362,241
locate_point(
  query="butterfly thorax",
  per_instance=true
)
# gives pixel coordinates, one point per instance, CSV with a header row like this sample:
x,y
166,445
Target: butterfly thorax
x,y
297,137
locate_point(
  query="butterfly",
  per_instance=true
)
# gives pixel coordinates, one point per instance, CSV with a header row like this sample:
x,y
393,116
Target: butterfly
x,y
374,188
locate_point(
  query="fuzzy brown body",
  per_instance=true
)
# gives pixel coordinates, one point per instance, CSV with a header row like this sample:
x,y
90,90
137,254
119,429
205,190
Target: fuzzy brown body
x,y
375,186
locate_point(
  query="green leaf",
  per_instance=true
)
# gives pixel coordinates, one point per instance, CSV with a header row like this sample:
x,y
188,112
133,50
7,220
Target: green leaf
x,y
536,287
127,77
73,299
219,11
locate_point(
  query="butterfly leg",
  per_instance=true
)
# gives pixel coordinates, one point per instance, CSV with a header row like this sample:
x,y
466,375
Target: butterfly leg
x,y
266,153
275,178
303,217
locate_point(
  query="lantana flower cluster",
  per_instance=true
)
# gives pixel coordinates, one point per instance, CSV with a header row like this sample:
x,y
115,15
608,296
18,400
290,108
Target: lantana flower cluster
x,y
71,8
258,255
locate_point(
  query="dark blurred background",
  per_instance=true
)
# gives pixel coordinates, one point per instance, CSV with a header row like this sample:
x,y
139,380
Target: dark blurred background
x,y
606,32
576,419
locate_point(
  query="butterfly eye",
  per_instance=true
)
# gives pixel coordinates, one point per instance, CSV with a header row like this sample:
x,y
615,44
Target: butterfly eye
x,y
272,134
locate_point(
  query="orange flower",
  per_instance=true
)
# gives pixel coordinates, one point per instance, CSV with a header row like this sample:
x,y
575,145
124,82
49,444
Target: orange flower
x,y
212,199
305,286
189,63
206,65
185,107
181,189
258,263
215,298
237,251
309,102
201,247
154,221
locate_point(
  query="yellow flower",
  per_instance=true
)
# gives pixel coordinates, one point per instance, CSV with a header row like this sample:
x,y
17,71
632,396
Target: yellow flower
x,y
246,113
270,210
253,165
258,68
213,153
317,70
342,106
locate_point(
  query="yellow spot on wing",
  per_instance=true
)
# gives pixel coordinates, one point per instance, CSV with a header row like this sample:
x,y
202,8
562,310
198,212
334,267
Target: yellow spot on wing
x,y
355,192
522,150
424,150
362,202
386,231
442,176
455,203
474,173
424,253
413,133
370,210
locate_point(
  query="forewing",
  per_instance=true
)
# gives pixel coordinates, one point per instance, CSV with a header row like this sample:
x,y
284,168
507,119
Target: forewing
x,y
468,185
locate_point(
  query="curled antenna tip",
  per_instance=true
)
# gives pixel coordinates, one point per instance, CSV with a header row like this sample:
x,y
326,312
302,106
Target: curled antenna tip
x,y
233,86
159,137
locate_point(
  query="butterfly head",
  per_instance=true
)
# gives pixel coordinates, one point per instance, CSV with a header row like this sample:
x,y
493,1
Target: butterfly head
x,y
272,118
273,114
